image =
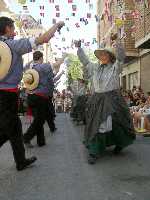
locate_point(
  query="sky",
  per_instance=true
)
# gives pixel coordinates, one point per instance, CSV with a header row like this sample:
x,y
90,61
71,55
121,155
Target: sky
x,y
87,32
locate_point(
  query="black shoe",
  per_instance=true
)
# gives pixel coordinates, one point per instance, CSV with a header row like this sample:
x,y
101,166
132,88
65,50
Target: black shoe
x,y
26,163
117,150
92,159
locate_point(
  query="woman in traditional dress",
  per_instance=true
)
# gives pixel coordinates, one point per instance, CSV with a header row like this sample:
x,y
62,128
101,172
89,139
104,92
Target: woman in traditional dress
x,y
108,120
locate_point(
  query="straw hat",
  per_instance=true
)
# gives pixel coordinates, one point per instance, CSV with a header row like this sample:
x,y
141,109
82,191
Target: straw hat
x,y
5,59
107,49
31,79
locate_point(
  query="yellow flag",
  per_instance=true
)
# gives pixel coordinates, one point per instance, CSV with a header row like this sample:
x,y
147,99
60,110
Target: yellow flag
x,y
119,22
22,2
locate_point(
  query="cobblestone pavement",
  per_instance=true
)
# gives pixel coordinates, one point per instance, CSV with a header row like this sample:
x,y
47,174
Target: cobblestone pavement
x,y
62,172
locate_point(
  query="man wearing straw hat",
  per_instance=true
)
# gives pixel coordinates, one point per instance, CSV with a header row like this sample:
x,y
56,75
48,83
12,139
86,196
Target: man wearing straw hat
x,y
11,69
108,120
39,80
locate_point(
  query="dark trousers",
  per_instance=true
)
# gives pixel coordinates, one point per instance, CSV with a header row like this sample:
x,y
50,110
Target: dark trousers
x,y
50,115
39,108
10,125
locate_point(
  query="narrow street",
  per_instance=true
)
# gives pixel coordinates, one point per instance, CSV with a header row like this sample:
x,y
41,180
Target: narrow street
x,y
62,172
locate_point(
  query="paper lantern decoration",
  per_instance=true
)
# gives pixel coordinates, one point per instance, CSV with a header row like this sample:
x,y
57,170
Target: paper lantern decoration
x,y
70,1
57,14
57,7
74,8
88,15
22,2
119,22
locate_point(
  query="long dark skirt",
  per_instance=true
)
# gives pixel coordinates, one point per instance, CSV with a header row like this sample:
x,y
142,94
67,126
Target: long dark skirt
x,y
100,106
78,112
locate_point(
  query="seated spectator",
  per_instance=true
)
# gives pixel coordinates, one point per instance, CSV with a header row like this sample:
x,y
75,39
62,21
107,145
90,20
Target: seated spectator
x,y
134,89
142,112
136,99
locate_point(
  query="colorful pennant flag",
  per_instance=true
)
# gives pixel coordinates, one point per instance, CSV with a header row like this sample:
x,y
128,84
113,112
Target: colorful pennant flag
x,y
25,8
86,22
74,8
81,19
53,21
94,41
90,6
41,7
77,25
22,2
135,14
119,22
42,14
57,14
57,7
89,15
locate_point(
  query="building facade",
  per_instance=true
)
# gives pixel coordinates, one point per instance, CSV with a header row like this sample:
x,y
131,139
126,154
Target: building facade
x,y
131,21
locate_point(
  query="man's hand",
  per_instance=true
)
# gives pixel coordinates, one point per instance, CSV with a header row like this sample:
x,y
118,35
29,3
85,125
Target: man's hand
x,y
77,43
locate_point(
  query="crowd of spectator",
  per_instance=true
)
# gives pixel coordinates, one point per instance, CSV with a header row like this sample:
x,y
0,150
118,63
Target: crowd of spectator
x,y
139,104
62,101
